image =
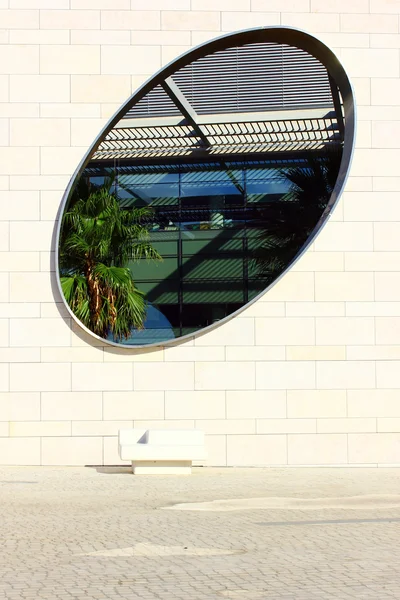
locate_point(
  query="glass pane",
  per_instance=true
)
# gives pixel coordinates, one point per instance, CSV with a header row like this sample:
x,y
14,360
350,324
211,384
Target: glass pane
x,y
213,237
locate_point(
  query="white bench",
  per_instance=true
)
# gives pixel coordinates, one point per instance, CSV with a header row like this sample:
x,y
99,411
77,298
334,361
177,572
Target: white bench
x,y
161,451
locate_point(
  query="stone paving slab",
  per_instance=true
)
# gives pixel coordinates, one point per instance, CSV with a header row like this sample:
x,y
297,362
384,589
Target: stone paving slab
x,y
102,533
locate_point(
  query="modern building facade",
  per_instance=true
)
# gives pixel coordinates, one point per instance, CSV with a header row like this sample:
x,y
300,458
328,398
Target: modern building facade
x,y
308,372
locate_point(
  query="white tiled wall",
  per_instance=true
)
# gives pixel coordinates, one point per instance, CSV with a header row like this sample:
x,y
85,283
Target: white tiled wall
x,y
308,375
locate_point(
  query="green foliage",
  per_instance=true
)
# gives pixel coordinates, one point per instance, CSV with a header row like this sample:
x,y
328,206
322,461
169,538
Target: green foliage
x,y
98,238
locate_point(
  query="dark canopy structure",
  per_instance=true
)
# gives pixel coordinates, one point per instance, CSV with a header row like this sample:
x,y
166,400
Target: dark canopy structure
x,y
255,99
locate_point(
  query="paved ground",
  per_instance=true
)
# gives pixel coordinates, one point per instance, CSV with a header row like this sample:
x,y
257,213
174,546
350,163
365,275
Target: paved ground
x,y
295,534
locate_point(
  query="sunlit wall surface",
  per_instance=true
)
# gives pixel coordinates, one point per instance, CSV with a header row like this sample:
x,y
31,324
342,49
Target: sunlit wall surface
x,y
309,374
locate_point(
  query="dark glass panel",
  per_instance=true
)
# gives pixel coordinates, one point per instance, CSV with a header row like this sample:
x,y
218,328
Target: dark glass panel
x,y
160,292
224,233
210,293
222,268
158,271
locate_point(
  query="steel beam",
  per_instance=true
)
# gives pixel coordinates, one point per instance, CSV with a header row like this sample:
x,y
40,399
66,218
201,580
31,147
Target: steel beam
x,y
185,107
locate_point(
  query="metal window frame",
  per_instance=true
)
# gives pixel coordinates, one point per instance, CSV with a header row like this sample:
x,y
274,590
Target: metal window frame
x,y
279,34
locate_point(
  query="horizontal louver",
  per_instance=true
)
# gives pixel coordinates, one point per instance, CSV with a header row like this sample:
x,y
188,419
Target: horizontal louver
x,y
251,78
223,138
156,103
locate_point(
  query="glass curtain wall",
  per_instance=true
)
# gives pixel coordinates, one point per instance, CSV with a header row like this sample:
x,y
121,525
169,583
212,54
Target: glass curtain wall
x,y
215,226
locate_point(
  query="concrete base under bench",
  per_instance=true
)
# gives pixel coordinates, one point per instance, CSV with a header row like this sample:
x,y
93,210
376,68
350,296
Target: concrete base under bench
x,y
162,467
161,452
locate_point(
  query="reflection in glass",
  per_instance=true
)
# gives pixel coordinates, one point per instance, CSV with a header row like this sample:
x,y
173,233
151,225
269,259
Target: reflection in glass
x,y
174,225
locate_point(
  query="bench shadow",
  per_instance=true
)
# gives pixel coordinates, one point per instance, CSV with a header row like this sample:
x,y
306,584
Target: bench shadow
x,y
113,470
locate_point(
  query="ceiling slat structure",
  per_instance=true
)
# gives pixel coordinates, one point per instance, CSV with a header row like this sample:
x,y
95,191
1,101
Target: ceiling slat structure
x,y
257,98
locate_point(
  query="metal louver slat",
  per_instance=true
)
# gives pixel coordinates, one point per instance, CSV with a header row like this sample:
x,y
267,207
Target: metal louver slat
x,y
156,103
225,138
255,77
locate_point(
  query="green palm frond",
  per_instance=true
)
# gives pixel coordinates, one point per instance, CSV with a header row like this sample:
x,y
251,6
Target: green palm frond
x,y
131,307
97,241
76,244
144,250
112,277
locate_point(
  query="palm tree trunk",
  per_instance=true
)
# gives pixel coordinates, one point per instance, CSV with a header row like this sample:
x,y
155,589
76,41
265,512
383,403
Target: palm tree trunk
x,y
95,299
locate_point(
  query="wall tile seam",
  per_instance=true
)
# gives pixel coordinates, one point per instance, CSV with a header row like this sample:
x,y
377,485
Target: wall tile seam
x,y
105,13
20,13
255,360
321,434
47,12
231,420
282,10
375,329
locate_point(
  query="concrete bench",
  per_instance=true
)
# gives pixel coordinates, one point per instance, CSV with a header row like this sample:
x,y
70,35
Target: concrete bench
x,y
161,451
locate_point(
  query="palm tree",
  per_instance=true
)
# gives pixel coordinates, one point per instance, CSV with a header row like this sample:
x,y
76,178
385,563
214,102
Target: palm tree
x,y
287,224
98,238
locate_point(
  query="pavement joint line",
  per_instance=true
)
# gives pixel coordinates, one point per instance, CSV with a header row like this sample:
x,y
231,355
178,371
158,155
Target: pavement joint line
x,y
327,522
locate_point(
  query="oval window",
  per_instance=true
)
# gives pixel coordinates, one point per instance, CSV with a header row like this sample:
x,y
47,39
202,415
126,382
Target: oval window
x,y
205,187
